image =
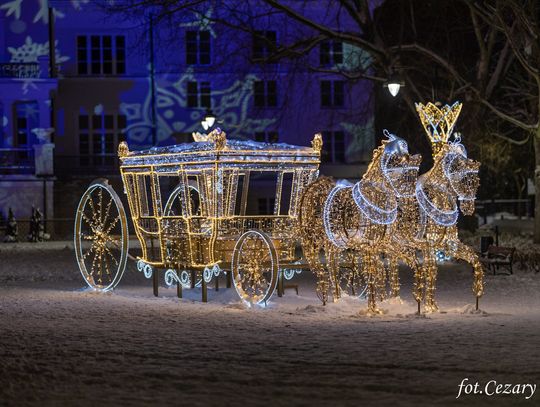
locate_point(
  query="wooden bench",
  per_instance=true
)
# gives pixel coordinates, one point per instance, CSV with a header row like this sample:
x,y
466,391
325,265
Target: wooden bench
x,y
499,256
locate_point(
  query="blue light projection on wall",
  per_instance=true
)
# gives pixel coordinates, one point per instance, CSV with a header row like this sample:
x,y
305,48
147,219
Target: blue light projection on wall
x,y
231,97
231,105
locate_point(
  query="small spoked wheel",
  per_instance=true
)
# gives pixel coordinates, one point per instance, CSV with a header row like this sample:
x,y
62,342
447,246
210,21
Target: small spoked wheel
x,y
101,236
255,267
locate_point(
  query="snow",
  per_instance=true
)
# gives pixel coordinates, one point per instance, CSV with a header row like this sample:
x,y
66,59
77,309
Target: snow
x,y
63,344
210,146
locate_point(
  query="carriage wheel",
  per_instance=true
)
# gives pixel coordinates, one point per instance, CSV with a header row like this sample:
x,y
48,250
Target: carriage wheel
x,y
255,267
101,236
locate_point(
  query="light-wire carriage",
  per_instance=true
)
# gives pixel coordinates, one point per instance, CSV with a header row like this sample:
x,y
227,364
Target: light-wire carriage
x,y
192,207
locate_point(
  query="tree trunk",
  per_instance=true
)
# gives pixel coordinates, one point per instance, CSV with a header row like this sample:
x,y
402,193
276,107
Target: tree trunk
x,y
537,186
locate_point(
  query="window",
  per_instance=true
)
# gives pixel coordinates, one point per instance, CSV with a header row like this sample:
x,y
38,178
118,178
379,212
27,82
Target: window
x,y
332,93
99,136
198,94
101,55
198,47
333,147
27,115
264,42
265,94
267,136
331,53
266,206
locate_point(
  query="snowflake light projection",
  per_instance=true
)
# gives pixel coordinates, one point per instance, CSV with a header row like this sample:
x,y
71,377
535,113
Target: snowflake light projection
x,y
30,52
14,8
230,104
202,22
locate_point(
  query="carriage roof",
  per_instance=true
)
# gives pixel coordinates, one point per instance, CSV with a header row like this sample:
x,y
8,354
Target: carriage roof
x,y
223,151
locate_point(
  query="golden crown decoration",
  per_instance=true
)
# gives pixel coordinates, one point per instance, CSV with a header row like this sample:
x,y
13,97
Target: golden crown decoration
x,y
438,122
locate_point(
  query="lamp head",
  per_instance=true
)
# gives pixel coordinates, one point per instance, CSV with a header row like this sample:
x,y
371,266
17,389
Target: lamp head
x,y
394,84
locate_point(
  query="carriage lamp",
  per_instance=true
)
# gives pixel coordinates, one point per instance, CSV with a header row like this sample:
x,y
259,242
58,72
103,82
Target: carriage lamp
x,y
394,84
208,120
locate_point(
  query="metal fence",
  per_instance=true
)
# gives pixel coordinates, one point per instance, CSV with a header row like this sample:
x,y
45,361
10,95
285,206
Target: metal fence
x,y
522,208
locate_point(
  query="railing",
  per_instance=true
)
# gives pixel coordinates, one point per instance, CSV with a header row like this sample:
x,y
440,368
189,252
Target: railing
x,y
518,207
19,70
17,161
70,165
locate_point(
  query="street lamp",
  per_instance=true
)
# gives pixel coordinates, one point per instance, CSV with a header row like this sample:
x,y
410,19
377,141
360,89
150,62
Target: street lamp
x,y
208,120
393,84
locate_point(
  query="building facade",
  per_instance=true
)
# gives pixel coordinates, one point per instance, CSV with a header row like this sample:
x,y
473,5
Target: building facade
x,y
130,76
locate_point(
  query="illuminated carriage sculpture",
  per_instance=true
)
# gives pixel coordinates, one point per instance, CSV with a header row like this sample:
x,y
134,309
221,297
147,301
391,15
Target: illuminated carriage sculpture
x,y
188,205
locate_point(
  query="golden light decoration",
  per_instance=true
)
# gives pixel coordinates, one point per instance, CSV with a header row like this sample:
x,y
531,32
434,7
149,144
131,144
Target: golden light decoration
x,y
189,202
190,207
449,186
346,228
393,215
438,122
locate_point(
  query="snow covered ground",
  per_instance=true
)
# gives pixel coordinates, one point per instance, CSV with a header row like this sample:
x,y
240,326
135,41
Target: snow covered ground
x,y
63,345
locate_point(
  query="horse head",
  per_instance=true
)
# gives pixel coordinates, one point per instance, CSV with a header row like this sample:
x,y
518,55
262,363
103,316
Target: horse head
x,y
462,173
399,168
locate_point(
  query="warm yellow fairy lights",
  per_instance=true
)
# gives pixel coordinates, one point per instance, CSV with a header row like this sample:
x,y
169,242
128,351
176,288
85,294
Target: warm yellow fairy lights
x,y
356,221
392,215
452,180
438,122
189,206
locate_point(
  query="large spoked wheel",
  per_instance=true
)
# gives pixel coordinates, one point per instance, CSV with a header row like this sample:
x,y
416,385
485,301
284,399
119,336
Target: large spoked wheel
x,y
101,236
255,267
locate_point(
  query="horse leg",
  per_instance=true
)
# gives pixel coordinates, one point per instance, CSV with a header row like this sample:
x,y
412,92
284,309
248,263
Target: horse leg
x,y
393,276
380,278
418,285
312,253
332,265
430,267
370,270
465,253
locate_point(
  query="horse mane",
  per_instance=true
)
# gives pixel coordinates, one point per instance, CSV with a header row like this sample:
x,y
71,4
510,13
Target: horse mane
x,y
375,160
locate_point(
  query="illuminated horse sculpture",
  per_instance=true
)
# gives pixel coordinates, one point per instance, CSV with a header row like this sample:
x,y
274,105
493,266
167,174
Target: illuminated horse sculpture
x,y
428,221
356,218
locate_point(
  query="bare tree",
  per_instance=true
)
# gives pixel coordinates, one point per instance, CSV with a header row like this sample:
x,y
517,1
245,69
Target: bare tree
x,y
487,53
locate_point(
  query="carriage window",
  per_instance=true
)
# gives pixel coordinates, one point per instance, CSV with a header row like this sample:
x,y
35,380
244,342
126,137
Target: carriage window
x,y
262,186
144,186
286,190
266,206
194,195
239,193
195,201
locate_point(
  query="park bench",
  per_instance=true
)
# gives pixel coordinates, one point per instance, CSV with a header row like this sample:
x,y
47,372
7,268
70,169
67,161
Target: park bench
x,y
499,256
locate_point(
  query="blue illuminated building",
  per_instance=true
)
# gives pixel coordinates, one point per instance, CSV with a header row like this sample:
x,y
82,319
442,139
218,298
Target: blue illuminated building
x,y
129,77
